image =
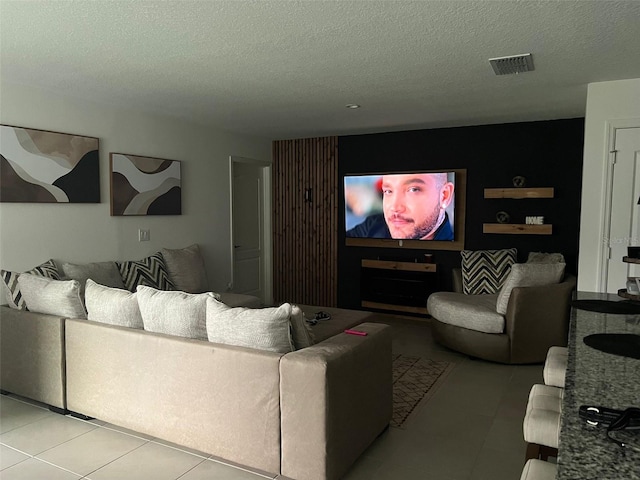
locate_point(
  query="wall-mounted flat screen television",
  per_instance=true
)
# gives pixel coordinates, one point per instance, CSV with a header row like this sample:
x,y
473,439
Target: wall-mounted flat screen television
x,y
417,209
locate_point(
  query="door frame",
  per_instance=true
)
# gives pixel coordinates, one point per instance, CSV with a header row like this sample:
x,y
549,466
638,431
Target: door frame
x,y
266,227
609,154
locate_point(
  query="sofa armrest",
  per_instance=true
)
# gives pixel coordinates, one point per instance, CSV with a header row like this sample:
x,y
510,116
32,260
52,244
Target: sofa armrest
x,y
336,398
32,356
538,318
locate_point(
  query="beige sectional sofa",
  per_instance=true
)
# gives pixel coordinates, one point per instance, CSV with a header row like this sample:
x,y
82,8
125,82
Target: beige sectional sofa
x,y
306,414
289,405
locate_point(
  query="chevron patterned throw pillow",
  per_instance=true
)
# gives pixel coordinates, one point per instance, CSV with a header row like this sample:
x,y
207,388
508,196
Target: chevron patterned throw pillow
x,y
150,272
13,294
484,271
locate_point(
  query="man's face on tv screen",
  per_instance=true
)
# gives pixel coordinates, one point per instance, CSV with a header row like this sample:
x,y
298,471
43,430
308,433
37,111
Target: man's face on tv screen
x,y
411,204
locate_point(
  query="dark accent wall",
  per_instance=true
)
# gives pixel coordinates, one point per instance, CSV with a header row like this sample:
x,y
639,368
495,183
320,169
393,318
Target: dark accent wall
x,y
548,154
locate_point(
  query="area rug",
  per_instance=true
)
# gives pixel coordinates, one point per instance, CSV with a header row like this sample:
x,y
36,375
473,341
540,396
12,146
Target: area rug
x,y
415,379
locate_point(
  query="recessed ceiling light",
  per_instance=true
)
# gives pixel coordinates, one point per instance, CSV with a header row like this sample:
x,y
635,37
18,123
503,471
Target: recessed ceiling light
x,y
352,105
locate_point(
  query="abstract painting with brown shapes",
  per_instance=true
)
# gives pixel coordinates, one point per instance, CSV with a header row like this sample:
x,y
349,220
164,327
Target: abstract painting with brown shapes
x,y
144,185
48,167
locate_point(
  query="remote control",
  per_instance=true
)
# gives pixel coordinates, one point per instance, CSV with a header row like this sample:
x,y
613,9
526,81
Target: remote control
x,y
356,332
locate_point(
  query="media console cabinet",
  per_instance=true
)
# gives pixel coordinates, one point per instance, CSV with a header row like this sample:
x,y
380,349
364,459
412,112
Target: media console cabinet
x,y
397,285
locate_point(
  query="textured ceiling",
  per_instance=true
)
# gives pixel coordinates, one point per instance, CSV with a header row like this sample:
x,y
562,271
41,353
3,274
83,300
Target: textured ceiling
x,y
285,69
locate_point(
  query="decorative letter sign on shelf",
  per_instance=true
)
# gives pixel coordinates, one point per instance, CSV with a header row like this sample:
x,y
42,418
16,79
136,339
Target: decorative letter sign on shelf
x,y
519,228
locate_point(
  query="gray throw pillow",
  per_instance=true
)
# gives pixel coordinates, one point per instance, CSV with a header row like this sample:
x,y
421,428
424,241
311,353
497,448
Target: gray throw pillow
x,y
186,269
174,313
114,306
484,271
528,275
541,257
12,289
104,273
260,328
54,297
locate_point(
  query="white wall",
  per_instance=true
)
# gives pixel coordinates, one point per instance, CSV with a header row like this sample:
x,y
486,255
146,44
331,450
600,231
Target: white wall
x,y
33,233
606,101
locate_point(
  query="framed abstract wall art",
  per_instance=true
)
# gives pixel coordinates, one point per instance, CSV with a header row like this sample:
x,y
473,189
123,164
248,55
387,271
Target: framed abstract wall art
x,y
38,166
144,185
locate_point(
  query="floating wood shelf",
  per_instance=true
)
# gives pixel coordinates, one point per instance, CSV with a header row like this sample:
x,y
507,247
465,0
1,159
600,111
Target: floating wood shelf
x,y
517,228
624,294
405,266
630,260
541,192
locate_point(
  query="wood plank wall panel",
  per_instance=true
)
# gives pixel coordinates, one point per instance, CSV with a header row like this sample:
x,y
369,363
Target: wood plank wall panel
x,y
305,234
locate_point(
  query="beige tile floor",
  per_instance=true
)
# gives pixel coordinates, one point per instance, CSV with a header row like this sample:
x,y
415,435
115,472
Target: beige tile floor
x,y
470,429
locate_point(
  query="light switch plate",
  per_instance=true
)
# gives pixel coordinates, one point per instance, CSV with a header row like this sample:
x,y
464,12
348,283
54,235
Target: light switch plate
x,y
143,235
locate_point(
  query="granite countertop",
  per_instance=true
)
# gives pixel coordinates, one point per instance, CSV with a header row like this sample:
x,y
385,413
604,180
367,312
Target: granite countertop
x,y
599,379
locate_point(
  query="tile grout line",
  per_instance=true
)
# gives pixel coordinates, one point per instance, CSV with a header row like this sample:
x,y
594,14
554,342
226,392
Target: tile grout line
x,y
33,421
115,459
192,468
97,426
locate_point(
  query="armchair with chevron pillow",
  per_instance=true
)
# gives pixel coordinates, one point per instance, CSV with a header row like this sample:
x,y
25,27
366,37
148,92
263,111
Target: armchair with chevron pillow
x,y
504,311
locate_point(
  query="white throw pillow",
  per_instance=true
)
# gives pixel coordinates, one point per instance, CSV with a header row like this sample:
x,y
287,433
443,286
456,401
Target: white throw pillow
x,y
174,312
54,297
114,306
260,328
528,275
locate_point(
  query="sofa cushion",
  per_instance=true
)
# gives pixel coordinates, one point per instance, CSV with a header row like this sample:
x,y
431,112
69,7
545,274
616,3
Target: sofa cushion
x,y
260,328
484,271
528,275
541,257
10,279
475,312
54,297
174,313
114,306
150,272
104,273
186,269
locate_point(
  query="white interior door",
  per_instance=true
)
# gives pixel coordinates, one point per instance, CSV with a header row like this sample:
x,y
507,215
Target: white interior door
x,y
248,228
625,222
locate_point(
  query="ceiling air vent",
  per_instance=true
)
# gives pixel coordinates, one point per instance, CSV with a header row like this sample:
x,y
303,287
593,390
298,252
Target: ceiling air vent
x,y
512,64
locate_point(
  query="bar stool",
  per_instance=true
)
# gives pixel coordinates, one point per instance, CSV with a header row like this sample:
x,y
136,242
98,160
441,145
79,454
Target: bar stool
x,y
555,366
539,470
541,426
